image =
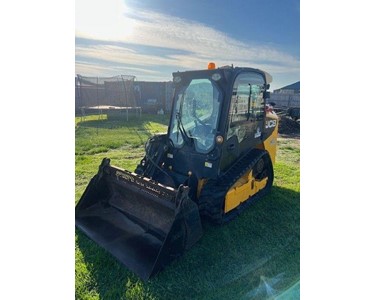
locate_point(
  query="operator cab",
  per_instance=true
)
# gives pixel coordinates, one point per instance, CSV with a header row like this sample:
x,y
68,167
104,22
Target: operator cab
x,y
218,114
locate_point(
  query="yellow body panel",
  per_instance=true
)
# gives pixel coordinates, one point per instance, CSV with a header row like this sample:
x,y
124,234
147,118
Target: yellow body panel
x,y
242,190
270,143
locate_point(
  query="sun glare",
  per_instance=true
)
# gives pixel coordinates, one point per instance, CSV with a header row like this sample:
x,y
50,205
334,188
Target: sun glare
x,y
103,19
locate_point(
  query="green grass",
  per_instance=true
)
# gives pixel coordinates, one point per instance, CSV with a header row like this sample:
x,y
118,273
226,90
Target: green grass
x,y
255,256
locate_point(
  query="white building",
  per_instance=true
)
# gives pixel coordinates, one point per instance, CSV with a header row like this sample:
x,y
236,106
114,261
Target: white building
x,y
287,96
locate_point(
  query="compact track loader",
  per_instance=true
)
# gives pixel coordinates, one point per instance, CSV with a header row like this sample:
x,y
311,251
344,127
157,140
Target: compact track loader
x,y
216,158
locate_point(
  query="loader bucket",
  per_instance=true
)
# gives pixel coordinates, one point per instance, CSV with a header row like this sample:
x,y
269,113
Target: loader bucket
x,y
142,223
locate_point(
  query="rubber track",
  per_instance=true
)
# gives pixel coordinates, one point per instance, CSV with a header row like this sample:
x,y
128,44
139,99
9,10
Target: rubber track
x,y
211,200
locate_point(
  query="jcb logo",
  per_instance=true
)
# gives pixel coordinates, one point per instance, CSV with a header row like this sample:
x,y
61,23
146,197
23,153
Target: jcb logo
x,y
270,124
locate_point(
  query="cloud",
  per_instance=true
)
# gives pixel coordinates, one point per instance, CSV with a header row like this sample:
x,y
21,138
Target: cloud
x,y
150,39
155,29
122,55
94,68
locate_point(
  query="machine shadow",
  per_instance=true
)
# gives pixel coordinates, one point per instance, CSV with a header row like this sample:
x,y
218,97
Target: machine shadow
x,y
107,274
255,256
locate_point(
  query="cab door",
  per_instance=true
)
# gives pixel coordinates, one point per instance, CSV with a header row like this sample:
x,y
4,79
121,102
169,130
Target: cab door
x,y
245,118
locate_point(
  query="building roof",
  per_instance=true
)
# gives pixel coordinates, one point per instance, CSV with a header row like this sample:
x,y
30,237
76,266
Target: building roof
x,y
293,86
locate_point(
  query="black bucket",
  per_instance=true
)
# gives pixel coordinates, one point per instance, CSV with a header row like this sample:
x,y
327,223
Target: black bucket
x,y
145,225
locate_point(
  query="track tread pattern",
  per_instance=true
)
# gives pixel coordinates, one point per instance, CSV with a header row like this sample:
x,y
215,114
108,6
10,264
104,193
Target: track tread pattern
x,y
211,200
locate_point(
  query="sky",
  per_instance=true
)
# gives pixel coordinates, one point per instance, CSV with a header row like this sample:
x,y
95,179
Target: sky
x,y
150,39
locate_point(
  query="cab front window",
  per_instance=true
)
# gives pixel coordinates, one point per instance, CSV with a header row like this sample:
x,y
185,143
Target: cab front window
x,y
195,115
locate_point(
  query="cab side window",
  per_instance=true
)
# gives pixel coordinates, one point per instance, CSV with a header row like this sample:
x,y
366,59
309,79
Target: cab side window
x,y
246,103
256,102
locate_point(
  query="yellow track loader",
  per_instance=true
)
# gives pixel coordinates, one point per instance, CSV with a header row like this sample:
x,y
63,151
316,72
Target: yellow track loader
x,y
215,159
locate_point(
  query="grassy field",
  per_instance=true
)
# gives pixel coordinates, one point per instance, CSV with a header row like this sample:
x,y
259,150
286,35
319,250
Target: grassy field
x,y
255,256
